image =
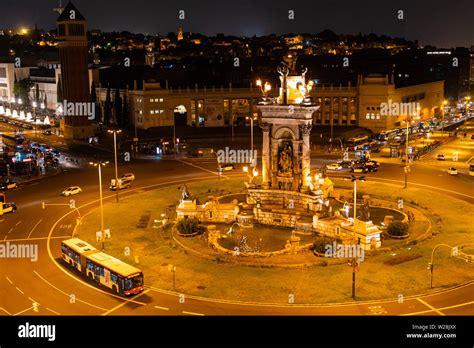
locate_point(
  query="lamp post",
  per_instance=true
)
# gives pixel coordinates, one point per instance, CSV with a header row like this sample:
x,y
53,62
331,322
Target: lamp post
x,y
34,104
99,164
251,138
115,131
468,99
445,102
354,180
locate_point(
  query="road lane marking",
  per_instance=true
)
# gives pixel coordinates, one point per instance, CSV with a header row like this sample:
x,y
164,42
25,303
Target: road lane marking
x,y
193,313
63,292
53,311
430,306
206,170
3,309
9,280
20,290
163,308
34,228
23,311
124,303
32,300
11,229
416,184
19,222
38,238
441,309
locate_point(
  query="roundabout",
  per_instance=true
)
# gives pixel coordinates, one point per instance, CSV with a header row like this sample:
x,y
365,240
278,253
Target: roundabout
x,y
398,267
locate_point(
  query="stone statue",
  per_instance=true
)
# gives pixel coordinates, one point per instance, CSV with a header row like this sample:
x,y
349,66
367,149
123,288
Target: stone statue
x,y
184,192
323,171
285,161
365,216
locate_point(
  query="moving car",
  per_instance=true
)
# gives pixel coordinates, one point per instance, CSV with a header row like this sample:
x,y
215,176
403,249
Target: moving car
x,y
471,170
7,208
333,166
122,184
73,190
359,169
441,157
453,171
371,168
47,132
226,167
8,185
372,163
344,164
128,177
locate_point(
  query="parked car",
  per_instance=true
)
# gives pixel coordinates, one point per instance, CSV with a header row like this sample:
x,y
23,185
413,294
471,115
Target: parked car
x,y
73,190
128,177
225,167
333,166
47,132
441,157
471,170
8,185
453,171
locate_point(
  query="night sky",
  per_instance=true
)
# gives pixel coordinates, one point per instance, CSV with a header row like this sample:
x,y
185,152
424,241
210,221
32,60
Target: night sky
x,y
438,22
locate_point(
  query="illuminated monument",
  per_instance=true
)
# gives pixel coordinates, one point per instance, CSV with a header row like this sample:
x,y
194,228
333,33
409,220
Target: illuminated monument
x,y
73,54
286,125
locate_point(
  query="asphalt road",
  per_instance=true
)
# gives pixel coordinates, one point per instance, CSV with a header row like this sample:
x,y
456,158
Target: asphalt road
x,y
46,287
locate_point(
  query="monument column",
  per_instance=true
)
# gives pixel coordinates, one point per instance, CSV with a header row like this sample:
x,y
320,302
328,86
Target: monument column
x,y
266,166
274,163
305,130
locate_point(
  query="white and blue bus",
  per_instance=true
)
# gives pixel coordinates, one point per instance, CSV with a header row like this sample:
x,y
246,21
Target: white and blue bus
x,y
104,269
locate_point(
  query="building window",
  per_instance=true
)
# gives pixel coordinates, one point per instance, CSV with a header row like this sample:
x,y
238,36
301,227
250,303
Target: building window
x,y
152,112
367,116
151,100
161,100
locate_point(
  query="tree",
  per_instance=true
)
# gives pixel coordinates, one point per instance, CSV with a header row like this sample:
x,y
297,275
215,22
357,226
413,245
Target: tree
x,y
118,108
125,119
397,228
107,108
21,89
59,92
37,93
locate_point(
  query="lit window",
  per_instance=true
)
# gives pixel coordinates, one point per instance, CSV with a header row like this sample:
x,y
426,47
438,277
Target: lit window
x,y
373,117
161,100
141,112
152,112
161,111
151,100
378,116
367,116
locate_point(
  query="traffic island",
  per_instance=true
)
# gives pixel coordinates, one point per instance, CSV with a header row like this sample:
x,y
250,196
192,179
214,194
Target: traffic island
x,y
399,268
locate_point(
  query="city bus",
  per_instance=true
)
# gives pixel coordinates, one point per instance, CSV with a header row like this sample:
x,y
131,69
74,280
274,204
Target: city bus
x,y
357,143
104,269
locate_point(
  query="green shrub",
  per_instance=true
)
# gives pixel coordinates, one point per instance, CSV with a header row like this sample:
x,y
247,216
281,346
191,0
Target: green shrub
x,y
319,244
397,228
188,226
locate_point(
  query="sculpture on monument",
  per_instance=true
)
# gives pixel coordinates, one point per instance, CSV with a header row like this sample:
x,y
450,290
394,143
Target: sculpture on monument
x,y
365,211
285,160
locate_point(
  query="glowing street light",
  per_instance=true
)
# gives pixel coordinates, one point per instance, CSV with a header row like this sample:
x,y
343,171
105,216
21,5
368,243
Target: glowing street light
x,y
99,164
115,131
